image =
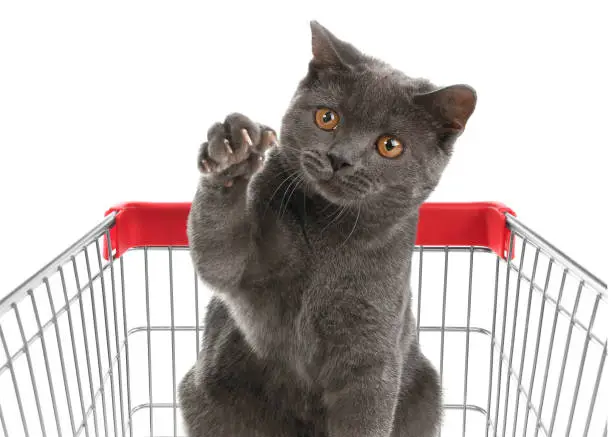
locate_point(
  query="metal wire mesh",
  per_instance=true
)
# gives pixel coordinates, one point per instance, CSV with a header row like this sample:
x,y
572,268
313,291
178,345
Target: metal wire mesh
x,y
96,348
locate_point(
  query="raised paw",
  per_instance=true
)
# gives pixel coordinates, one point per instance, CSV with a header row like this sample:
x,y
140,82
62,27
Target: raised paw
x,y
235,148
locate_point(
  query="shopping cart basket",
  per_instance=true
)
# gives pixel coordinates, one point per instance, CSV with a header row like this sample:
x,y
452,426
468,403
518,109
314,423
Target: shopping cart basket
x,y
95,342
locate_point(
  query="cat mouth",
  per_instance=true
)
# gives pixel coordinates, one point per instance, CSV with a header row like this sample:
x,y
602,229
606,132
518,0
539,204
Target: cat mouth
x,y
338,191
336,187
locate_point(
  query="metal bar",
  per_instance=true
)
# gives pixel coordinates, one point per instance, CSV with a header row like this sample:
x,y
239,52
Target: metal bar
x,y
37,278
454,249
493,327
467,343
451,249
73,343
3,423
537,346
419,295
197,313
455,329
550,345
127,350
192,328
148,315
15,386
503,333
61,355
108,343
96,331
526,333
31,371
116,325
595,392
564,362
443,321
173,340
523,391
443,325
513,336
576,269
86,345
185,328
167,405
43,344
585,348
35,336
564,311
99,392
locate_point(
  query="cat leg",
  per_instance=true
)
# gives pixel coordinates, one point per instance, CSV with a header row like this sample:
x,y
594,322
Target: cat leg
x,y
228,390
210,411
221,225
360,368
363,406
419,406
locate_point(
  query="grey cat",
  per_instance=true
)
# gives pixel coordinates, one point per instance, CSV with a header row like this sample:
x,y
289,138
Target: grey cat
x,y
309,251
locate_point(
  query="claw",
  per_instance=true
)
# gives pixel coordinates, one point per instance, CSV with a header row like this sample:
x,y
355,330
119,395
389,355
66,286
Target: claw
x,y
228,147
270,139
246,138
206,166
228,183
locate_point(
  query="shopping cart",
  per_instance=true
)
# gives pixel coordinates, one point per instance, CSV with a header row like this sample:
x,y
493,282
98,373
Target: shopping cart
x,y
95,342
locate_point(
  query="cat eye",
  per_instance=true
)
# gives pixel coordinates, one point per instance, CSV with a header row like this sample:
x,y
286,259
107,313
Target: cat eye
x,y
326,119
389,146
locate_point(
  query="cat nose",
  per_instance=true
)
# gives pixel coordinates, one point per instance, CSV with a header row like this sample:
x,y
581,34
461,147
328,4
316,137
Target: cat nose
x,y
337,161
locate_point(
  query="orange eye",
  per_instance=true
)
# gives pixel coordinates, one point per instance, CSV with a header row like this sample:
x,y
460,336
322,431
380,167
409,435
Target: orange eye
x,y
389,147
327,119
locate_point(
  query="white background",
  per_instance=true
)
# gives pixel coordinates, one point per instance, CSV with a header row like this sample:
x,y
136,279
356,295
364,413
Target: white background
x,y
106,103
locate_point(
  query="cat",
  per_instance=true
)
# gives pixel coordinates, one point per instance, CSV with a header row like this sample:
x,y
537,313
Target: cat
x,y
307,243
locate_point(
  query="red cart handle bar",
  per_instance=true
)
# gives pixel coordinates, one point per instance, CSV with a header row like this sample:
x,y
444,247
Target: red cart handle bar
x,y
479,224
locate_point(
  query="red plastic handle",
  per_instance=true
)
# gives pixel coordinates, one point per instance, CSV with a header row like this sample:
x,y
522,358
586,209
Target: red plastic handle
x,y
482,224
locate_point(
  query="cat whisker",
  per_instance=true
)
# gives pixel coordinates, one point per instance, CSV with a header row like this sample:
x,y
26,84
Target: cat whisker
x,y
327,207
333,212
354,227
342,209
282,172
299,181
289,186
283,146
279,186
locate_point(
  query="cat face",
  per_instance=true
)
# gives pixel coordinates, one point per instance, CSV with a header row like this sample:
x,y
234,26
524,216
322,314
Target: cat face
x,y
358,130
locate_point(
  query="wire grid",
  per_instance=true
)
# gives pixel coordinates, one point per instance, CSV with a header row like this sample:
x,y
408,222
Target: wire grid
x,y
96,348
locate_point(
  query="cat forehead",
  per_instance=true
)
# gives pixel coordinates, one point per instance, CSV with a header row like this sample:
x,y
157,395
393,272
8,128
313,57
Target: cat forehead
x,y
368,90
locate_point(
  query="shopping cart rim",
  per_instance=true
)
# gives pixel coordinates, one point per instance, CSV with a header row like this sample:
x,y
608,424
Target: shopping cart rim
x,y
512,223
574,268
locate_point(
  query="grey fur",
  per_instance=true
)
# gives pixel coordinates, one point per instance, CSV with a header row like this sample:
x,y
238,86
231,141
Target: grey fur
x,y
311,331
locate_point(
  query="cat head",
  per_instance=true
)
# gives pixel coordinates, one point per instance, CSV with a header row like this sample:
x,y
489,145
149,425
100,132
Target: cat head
x,y
357,129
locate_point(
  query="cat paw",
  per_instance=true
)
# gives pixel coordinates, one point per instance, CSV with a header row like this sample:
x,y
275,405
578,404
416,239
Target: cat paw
x,y
234,148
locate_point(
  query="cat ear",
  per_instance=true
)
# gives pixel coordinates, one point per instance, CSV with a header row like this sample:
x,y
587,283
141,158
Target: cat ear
x,y
451,106
330,52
